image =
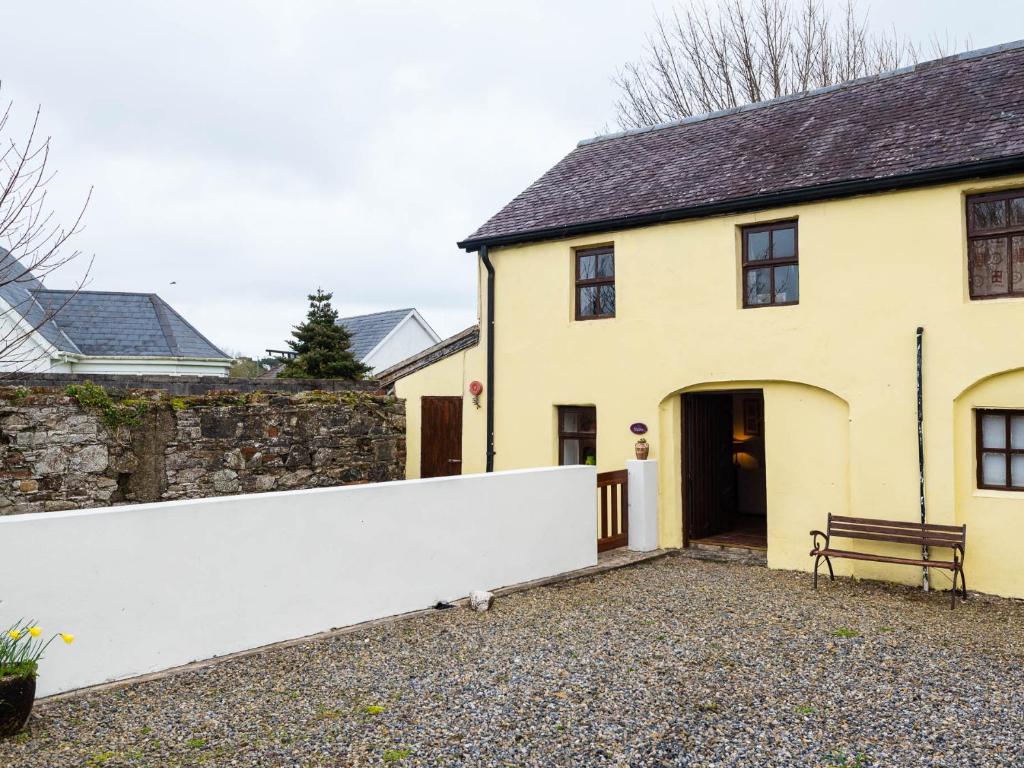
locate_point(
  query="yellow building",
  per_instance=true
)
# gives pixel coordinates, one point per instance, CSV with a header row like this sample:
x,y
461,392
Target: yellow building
x,y
749,286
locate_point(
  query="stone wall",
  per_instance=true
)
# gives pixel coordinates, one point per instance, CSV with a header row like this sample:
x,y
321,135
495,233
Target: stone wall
x,y
143,446
183,385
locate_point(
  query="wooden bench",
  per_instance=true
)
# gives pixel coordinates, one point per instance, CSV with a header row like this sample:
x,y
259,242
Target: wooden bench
x,y
953,537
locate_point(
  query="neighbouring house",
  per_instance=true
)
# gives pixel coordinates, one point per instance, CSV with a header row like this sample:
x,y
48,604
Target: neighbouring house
x,y
379,339
68,331
748,286
382,339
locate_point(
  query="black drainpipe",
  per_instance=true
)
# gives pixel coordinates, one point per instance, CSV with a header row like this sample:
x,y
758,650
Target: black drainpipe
x,y
490,356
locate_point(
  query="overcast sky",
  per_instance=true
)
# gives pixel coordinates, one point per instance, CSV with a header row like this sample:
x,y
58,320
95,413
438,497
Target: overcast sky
x,y
251,151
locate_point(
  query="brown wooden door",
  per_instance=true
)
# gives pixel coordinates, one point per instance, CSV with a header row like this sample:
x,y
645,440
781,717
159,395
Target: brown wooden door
x,y
709,482
441,436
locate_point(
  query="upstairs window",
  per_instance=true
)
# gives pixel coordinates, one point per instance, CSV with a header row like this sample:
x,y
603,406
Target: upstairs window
x,y
595,283
1000,444
577,434
995,244
771,275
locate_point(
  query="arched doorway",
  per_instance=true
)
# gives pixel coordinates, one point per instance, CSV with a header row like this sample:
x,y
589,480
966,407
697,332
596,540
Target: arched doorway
x,y
724,476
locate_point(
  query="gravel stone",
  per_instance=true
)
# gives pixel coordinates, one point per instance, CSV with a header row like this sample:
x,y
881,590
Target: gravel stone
x,y
674,662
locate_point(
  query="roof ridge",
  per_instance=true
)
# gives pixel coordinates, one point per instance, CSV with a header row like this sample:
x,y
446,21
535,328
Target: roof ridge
x,y
165,325
168,308
910,69
106,293
381,312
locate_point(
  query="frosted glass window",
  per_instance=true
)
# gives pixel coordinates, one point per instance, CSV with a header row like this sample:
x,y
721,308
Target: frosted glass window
x,y
1000,449
1017,432
993,431
993,468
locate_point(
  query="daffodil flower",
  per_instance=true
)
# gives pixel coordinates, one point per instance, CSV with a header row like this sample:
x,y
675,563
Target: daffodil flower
x,y
35,631
69,639
15,634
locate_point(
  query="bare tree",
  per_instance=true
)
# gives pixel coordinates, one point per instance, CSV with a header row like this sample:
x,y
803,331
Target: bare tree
x,y
701,60
32,244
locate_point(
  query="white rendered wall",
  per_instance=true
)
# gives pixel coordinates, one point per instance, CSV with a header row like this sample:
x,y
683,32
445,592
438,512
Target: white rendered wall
x,y
153,586
407,340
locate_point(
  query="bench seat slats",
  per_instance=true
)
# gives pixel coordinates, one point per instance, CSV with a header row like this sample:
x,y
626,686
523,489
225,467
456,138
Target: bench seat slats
x,y
929,541
885,558
896,523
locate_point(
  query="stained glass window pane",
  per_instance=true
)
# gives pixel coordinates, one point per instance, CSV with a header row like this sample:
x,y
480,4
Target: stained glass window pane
x,y
989,215
607,299
993,468
988,263
757,246
605,265
759,287
587,266
784,243
993,431
787,283
1017,267
1017,470
1017,212
587,301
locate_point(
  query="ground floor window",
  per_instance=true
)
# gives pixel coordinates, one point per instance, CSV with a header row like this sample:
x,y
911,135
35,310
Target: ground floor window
x,y
577,434
1000,445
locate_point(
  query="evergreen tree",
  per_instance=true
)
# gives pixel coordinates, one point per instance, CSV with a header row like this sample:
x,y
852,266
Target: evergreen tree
x,y
322,346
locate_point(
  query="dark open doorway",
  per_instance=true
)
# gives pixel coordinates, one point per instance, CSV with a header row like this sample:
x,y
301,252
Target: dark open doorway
x,y
724,481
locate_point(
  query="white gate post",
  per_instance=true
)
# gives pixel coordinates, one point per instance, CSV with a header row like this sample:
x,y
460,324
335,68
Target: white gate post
x,y
643,505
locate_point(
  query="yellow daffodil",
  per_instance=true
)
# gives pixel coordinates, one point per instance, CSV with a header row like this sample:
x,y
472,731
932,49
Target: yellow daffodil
x,y
15,634
35,631
69,639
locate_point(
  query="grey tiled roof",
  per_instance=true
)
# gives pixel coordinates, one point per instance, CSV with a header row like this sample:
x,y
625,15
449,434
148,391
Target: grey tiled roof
x,y
101,322
367,331
124,324
962,111
18,289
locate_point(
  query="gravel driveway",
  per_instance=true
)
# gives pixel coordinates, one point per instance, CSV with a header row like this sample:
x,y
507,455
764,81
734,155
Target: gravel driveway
x,y
675,662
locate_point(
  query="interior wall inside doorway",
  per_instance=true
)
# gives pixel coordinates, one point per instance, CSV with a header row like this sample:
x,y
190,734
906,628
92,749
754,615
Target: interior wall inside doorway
x,y
749,453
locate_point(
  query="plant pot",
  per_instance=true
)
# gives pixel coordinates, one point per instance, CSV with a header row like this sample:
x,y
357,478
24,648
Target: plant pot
x,y
17,695
643,450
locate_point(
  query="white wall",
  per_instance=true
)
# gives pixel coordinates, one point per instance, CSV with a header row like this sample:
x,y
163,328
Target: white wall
x,y
152,586
405,341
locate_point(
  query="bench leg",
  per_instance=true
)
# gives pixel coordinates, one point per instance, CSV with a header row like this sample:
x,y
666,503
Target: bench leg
x,y
963,584
817,562
831,573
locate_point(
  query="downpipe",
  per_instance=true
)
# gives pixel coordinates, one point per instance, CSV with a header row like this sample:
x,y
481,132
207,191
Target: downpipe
x,y
489,328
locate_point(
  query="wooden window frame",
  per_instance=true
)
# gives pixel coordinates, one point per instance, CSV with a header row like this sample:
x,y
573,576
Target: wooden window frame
x,y
979,449
563,435
1006,233
748,265
595,282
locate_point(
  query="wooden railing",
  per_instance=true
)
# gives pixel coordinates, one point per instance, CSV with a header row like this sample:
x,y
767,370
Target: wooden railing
x,y
612,509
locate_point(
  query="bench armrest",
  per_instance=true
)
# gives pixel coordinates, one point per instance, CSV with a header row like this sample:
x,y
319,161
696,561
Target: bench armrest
x,y
814,539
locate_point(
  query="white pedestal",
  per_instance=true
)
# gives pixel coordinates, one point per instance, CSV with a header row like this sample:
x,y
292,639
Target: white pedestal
x,y
643,505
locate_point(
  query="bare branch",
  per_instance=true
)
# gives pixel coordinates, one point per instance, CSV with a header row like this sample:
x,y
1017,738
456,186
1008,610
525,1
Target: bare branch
x,y
701,59
32,246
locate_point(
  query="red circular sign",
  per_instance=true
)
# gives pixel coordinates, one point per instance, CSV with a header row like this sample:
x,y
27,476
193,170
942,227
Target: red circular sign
x,y
475,388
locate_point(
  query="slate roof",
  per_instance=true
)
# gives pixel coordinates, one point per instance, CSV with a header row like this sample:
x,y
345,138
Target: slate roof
x,y
899,128
101,323
367,331
18,290
125,325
